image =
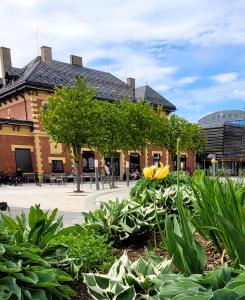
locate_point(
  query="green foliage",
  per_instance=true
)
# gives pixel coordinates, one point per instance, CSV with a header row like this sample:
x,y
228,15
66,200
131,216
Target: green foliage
x,y
192,136
164,192
120,221
38,228
155,184
25,274
188,255
153,280
71,118
70,115
92,252
126,280
220,215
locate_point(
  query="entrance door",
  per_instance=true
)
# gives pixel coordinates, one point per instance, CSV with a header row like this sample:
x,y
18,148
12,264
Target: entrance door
x,y
134,163
23,160
116,160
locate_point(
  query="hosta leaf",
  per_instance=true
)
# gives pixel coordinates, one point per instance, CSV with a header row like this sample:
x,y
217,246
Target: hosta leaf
x,y
224,294
38,294
128,294
11,285
28,277
102,281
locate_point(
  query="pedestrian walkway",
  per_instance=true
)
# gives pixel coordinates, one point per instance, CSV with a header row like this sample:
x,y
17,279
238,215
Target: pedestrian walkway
x,y
69,203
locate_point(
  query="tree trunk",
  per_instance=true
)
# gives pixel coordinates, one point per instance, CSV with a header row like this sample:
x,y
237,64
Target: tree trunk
x,y
78,176
76,149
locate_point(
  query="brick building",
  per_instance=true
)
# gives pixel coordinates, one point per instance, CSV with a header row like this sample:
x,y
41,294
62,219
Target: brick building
x,y
23,91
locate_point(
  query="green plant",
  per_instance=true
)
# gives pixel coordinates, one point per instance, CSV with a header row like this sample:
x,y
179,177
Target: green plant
x,y
24,274
188,255
152,279
119,221
220,215
126,280
38,228
139,192
92,252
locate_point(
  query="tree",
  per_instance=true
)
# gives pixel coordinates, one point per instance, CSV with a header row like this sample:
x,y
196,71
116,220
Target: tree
x,y
192,136
125,125
70,119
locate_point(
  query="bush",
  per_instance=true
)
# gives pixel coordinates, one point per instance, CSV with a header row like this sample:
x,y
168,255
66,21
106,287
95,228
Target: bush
x,y
120,221
155,184
37,228
24,274
220,215
153,280
92,252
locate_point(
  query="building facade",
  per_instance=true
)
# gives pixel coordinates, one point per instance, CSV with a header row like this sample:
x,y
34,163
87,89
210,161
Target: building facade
x,y
23,91
225,132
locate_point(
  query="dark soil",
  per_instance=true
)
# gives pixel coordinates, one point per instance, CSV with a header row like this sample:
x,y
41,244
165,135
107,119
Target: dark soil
x,y
134,251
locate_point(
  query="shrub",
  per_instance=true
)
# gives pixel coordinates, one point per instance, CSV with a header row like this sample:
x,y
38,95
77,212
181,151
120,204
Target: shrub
x,y
37,228
153,280
92,252
120,221
220,215
24,274
155,184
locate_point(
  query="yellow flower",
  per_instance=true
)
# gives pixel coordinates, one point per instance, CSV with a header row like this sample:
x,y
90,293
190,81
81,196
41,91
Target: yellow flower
x,y
155,172
213,161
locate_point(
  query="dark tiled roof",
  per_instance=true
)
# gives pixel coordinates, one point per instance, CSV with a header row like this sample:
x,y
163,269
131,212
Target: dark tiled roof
x,y
15,72
39,74
148,94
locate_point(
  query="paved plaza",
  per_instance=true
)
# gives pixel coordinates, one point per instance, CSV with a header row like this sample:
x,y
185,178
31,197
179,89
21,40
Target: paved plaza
x,y
63,197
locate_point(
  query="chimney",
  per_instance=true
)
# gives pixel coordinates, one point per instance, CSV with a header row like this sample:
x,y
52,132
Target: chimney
x,y
5,59
46,55
76,60
131,82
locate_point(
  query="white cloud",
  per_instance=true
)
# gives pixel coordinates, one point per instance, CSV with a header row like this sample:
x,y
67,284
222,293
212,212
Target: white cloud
x,y
187,80
139,37
225,77
239,93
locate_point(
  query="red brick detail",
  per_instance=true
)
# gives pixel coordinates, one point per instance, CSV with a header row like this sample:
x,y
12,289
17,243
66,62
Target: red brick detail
x,y
45,150
21,111
7,156
163,157
190,162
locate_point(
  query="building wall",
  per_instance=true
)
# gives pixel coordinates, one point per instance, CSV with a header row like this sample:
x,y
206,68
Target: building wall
x,y
11,139
18,109
45,150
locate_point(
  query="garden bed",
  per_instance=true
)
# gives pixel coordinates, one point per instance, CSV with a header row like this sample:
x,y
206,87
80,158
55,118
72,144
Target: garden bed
x,y
134,251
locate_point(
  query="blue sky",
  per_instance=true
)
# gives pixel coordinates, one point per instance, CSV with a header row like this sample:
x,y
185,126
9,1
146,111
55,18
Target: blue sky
x,y
190,51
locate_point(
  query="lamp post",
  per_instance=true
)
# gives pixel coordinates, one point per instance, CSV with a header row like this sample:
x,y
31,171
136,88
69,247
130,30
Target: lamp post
x,y
127,172
96,164
213,161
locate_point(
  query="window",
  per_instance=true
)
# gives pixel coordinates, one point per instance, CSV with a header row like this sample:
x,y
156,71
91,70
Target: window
x,y
57,166
134,162
23,160
156,158
45,106
88,161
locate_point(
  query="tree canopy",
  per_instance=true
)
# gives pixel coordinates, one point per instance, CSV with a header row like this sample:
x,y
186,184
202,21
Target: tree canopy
x,y
71,117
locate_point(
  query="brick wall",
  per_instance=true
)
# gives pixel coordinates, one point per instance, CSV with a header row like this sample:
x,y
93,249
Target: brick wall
x,y
20,110
7,156
47,166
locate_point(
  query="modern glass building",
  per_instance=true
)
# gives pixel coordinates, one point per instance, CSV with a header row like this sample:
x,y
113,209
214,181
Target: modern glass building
x,y
225,132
